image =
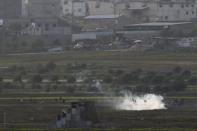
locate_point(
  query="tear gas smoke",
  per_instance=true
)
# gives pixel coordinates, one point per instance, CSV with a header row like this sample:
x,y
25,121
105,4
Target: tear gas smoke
x,y
139,103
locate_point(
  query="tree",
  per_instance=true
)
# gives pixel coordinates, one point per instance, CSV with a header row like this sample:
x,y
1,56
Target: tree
x,y
70,89
54,78
108,79
125,79
37,78
71,79
179,85
158,79
149,76
192,80
119,72
111,71
177,70
18,78
51,66
186,74
41,69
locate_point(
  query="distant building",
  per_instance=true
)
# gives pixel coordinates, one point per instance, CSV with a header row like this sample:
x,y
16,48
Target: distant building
x,y
95,22
144,31
46,26
43,8
171,10
10,9
146,10
97,7
77,8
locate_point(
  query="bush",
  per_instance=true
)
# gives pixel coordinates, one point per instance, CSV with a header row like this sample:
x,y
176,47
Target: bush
x,y
158,79
179,85
18,78
192,80
51,66
54,78
125,79
186,74
71,79
37,78
108,79
177,70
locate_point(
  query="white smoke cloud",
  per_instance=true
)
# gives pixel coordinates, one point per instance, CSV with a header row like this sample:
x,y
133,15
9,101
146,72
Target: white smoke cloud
x,y
139,103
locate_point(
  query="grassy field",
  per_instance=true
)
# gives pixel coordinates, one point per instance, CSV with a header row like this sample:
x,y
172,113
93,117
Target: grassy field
x,y
117,59
145,129
176,120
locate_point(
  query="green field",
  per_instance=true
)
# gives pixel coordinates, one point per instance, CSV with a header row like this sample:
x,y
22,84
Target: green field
x,y
35,104
118,59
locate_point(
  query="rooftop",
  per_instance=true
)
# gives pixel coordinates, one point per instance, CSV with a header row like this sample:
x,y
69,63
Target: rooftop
x,y
160,24
102,16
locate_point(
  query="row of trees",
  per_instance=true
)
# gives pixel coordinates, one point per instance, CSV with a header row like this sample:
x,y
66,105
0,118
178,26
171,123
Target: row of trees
x,y
174,80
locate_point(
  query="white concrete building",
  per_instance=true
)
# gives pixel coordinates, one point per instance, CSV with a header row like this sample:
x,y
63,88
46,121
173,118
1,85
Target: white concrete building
x,y
77,8
43,8
101,7
172,10
149,10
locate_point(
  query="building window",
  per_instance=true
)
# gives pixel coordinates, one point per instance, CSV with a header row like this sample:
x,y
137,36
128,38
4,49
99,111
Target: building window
x,y
166,17
66,10
160,5
39,25
79,10
182,5
54,25
65,2
46,26
187,13
171,5
97,5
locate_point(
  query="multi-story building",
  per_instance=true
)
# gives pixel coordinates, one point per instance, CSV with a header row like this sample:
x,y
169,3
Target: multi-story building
x,y
173,10
163,10
77,8
43,8
146,10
